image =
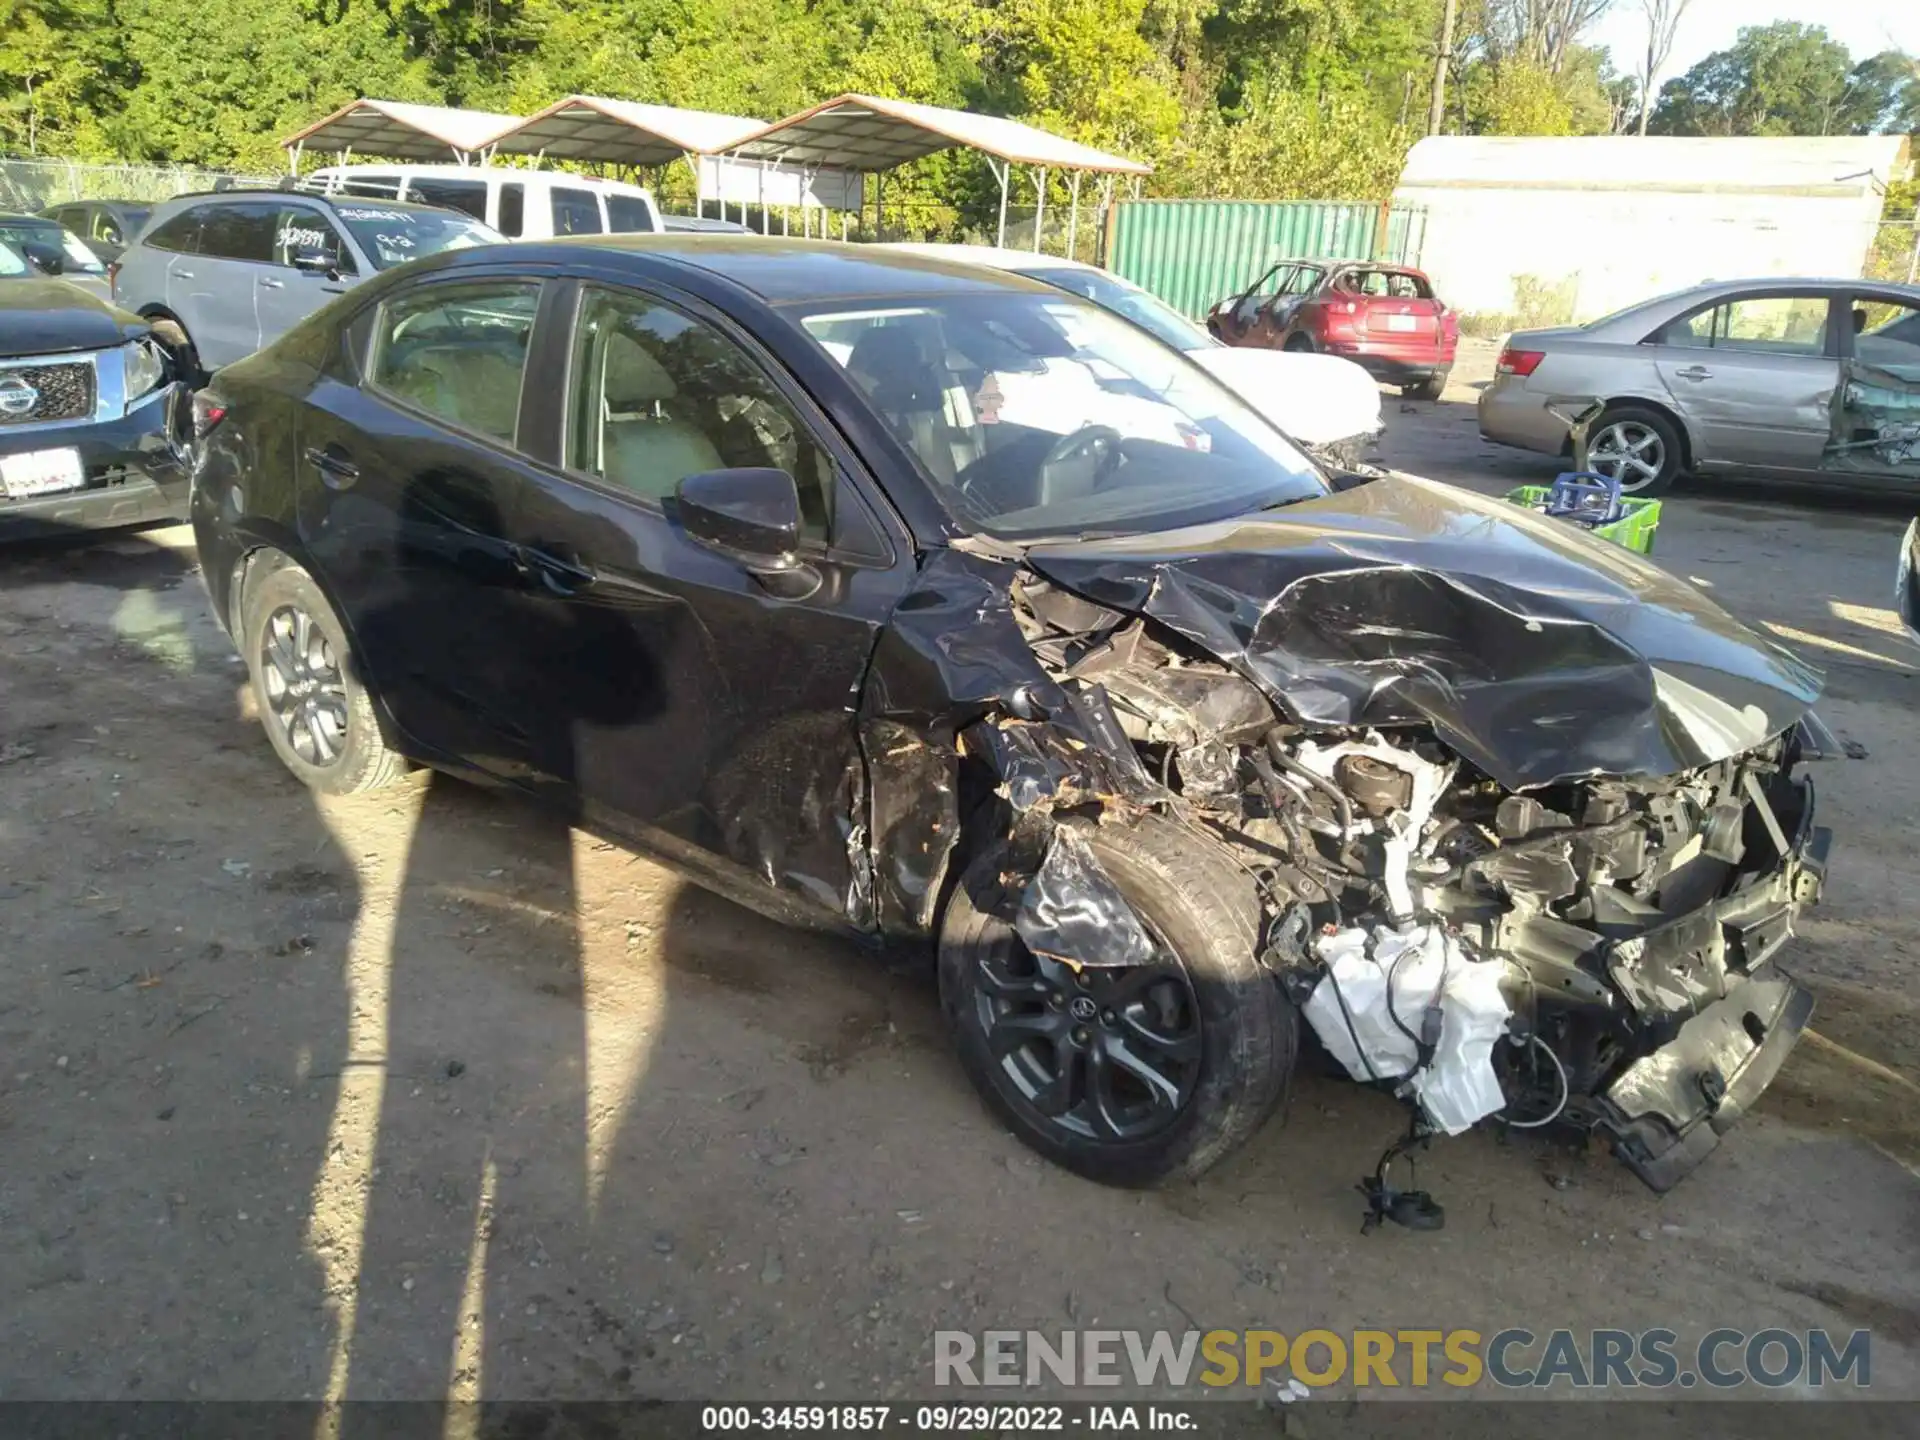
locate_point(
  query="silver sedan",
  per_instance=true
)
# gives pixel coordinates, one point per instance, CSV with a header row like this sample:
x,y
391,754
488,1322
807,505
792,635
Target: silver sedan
x,y
1793,379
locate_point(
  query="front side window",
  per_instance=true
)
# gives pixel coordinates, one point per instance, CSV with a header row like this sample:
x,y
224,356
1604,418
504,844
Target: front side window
x,y
458,352
513,209
628,214
1043,415
1756,324
239,232
1303,280
13,264
392,234
658,396
1887,335
575,212
465,195
300,230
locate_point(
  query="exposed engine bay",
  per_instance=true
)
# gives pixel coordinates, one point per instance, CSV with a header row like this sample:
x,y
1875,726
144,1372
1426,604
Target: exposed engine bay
x,y
1591,952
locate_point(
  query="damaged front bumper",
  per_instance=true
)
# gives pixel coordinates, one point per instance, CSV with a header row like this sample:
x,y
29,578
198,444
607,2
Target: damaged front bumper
x,y
1737,1014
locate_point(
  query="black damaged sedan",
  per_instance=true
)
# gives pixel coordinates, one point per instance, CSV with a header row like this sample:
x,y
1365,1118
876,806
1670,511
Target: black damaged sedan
x,y
930,603
88,433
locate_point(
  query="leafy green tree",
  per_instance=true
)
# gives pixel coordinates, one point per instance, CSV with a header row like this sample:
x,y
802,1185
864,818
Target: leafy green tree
x,y
61,66
1786,79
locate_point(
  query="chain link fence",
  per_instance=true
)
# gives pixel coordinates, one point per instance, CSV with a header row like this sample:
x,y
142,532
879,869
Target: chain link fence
x,y
1895,254
30,185
926,222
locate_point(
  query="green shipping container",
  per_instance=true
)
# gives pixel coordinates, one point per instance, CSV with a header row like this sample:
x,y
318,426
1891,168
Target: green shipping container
x,y
1192,253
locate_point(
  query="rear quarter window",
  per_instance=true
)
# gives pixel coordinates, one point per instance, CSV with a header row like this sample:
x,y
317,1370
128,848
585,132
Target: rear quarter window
x,y
178,233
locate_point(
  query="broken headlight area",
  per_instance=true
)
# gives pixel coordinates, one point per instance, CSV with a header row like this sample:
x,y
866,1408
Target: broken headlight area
x,y
1594,953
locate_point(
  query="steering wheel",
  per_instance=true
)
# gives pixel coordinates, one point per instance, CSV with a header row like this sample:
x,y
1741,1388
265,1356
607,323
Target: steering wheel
x,y
1076,463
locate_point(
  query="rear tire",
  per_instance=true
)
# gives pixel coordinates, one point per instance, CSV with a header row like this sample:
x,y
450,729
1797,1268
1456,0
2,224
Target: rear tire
x,y
1299,343
1214,1001
1639,447
1431,388
317,714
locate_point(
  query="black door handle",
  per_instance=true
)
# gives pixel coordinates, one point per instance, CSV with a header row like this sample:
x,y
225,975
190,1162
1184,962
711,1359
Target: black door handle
x,y
560,574
336,471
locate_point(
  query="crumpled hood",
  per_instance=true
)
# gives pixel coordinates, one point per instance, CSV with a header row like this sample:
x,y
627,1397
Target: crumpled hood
x,y
1536,651
52,316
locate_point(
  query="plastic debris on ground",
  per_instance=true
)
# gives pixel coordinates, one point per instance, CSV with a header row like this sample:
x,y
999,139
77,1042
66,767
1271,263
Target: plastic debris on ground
x,y
1388,995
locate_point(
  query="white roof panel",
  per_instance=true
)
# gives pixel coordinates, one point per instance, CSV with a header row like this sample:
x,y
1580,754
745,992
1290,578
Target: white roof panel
x,y
399,130
863,132
624,132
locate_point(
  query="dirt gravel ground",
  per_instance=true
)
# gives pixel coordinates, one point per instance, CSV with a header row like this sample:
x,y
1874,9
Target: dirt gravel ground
x,y
423,1095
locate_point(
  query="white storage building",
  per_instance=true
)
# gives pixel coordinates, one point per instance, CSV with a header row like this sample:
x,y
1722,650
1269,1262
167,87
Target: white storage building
x,y
1552,230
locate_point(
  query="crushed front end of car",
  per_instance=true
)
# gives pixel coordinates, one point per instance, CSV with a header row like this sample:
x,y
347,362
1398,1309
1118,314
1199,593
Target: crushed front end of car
x,y
1527,819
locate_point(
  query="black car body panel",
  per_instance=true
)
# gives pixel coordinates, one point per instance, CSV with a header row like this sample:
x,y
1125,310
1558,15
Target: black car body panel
x,y
1613,806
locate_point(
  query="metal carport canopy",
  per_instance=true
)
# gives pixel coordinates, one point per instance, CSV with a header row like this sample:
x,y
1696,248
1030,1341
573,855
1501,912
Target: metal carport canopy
x,y
624,132
867,133
400,130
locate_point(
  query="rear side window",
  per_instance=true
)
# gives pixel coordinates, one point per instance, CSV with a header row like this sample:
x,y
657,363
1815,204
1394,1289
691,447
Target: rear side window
x,y
239,232
180,234
458,352
575,212
467,195
628,214
513,209
380,184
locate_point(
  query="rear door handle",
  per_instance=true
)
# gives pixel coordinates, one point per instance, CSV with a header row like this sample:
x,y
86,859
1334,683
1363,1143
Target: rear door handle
x,y
184,274
336,471
1695,372
273,284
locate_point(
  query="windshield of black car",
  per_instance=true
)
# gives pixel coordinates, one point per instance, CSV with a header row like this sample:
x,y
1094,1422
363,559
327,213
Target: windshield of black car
x,y
1043,415
1151,314
79,259
393,236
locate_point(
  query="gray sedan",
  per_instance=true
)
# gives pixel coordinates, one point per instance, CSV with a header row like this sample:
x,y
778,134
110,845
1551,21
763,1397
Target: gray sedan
x,y
1794,379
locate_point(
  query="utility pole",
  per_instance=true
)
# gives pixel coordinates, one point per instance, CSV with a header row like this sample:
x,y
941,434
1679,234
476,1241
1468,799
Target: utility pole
x,y
1437,104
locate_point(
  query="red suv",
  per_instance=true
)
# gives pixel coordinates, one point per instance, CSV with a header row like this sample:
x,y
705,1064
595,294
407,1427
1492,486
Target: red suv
x,y
1385,318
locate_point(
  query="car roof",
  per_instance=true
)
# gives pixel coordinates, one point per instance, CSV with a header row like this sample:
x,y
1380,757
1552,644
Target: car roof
x,y
265,192
994,257
474,172
780,271
14,217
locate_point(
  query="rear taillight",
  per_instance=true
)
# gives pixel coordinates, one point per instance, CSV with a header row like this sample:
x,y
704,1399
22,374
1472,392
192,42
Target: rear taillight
x,y
1519,362
113,280
208,411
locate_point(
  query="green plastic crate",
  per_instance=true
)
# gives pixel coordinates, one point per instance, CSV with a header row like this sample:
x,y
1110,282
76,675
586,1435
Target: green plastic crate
x,y
1633,530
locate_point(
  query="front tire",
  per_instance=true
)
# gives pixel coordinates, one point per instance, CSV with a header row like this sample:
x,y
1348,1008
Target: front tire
x,y
1639,447
1173,1065
317,714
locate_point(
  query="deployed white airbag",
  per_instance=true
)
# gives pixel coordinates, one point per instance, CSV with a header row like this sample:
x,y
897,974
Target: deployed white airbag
x,y
1426,967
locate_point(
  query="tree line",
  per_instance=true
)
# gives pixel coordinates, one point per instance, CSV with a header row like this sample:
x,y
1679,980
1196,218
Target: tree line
x,y
1307,99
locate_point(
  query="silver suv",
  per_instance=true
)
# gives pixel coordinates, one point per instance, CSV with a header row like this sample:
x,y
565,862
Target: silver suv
x,y
221,275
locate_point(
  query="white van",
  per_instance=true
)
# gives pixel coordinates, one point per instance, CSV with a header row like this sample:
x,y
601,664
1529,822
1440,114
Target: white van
x,y
520,204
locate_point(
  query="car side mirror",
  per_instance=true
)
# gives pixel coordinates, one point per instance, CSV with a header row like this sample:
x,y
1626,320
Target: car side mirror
x,y
45,258
750,514
313,262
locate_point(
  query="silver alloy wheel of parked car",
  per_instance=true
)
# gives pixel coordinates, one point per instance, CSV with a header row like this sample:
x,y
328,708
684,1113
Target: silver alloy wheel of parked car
x,y
305,687
1630,452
